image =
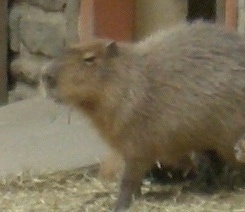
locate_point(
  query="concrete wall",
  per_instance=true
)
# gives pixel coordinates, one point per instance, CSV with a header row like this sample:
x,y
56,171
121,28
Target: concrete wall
x,y
36,136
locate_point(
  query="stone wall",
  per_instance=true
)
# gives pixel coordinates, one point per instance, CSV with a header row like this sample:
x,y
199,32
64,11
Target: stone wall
x,y
241,16
39,29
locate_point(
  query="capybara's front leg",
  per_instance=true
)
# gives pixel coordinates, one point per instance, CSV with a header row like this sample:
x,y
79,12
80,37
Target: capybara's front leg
x,y
130,184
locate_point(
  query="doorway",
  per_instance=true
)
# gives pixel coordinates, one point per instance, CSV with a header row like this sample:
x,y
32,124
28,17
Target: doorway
x,y
199,9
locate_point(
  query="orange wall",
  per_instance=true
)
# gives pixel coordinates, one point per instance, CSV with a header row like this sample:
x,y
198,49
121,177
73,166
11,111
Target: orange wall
x,y
107,18
114,19
128,19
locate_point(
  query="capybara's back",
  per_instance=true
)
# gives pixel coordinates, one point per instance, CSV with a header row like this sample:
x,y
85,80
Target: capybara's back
x,y
161,99
195,98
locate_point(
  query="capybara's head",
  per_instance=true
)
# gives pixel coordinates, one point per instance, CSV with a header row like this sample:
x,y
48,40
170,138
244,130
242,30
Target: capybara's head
x,y
79,74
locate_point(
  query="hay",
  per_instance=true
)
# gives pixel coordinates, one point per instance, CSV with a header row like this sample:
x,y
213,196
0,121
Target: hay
x,y
79,190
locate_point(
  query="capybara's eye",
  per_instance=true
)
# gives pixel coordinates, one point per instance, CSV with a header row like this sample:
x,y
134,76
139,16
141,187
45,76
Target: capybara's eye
x,y
90,59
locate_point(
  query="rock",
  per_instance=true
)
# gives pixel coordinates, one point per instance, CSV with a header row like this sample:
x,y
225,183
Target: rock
x,y
72,11
241,17
53,5
39,30
27,69
42,32
14,23
22,92
240,149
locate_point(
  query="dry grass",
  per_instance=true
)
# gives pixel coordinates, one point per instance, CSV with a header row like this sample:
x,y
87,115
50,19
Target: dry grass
x,y
77,190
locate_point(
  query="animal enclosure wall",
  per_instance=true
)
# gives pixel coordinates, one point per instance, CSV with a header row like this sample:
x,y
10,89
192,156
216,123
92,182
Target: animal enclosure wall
x,y
3,51
152,15
39,29
241,16
158,14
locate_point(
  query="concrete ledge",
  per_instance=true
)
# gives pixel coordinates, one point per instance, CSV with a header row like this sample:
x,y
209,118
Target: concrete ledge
x,y
35,135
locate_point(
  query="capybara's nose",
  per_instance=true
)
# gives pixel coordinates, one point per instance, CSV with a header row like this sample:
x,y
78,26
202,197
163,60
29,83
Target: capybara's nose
x,y
49,80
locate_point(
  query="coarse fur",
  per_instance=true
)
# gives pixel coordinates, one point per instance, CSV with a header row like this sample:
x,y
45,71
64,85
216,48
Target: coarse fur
x,y
160,99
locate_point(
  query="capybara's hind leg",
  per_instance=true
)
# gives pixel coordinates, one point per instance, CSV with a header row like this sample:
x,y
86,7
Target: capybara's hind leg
x,y
130,184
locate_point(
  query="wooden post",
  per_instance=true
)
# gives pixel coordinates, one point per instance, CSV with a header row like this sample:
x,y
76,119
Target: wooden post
x,y
86,20
231,14
3,50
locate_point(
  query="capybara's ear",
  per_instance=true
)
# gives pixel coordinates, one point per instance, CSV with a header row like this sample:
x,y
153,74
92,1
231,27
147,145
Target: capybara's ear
x,y
111,49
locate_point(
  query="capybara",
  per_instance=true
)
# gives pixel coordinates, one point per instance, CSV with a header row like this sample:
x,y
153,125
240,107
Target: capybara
x,y
183,92
111,169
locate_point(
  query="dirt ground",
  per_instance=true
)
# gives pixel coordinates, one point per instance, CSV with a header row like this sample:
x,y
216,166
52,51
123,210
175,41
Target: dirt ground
x,y
77,190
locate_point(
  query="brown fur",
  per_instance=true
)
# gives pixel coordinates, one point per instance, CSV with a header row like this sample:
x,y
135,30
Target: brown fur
x,y
161,100
112,166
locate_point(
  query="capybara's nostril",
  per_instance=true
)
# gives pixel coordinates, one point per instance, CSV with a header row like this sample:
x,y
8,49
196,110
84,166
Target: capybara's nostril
x,y
49,80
